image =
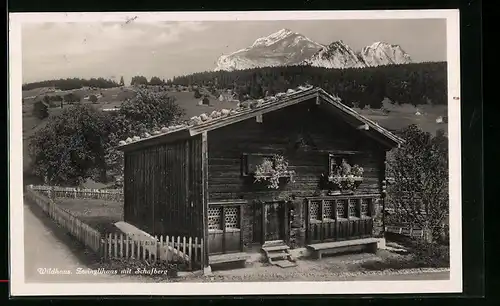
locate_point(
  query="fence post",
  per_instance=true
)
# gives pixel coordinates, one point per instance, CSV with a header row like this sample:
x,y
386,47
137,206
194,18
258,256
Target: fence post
x,y
167,240
190,250
109,245
155,248
202,253
159,249
184,248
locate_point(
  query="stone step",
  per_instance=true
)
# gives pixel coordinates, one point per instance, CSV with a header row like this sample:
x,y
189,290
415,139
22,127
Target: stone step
x,y
284,263
228,258
273,243
276,248
278,255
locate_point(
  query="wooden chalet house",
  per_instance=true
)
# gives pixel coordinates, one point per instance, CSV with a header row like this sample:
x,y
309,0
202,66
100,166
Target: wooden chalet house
x,y
198,179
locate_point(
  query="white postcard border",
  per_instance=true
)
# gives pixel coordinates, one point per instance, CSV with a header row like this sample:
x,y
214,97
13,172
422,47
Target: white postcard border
x,y
17,282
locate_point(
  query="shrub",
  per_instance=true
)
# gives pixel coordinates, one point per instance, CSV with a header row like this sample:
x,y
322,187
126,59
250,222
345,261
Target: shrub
x,y
419,191
431,254
422,255
93,98
40,110
71,97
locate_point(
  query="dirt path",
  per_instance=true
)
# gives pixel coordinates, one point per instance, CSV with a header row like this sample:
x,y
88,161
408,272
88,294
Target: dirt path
x,y
48,247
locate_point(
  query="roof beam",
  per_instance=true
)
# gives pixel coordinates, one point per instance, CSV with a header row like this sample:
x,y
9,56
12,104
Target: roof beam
x,y
364,127
350,114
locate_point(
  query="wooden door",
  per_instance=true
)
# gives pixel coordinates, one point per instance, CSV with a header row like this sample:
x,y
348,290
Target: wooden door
x,y
275,223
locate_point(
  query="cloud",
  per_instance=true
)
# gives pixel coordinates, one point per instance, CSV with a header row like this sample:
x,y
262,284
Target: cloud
x,y
52,50
75,39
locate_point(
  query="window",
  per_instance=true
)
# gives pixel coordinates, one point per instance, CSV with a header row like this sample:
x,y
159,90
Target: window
x,y
328,209
314,210
223,218
215,218
353,207
365,206
251,161
232,217
341,204
335,160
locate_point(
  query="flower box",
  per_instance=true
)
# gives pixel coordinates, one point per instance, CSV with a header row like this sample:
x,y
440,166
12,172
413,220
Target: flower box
x,y
288,174
345,178
271,170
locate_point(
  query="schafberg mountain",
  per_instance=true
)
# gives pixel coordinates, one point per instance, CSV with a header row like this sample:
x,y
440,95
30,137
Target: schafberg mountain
x,y
286,48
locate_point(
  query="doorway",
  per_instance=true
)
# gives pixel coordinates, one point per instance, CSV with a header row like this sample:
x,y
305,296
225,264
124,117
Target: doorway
x,y
275,221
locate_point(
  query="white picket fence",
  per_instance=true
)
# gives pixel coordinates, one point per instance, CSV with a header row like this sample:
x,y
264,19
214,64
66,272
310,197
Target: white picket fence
x,y
54,192
85,234
170,249
406,231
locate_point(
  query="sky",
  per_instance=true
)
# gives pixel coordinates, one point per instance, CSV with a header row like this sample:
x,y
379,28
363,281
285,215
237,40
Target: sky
x,y
168,49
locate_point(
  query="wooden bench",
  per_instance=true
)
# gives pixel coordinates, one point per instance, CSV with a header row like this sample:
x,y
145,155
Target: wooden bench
x,y
228,258
368,244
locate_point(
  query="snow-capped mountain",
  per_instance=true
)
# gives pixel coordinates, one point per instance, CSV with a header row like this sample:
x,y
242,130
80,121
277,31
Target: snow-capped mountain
x,y
380,53
336,55
281,48
287,48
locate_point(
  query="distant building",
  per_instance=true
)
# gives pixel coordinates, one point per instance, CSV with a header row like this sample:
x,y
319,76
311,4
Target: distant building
x,y
227,97
114,109
204,101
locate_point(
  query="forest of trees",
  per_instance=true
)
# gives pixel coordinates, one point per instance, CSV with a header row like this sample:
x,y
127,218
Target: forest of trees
x,y
74,83
142,80
421,83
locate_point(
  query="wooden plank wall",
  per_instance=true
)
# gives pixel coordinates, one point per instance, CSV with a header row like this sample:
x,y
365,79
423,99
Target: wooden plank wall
x,y
277,134
163,188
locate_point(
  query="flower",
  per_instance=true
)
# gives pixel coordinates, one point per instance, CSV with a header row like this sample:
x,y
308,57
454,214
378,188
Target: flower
x,y
272,169
346,176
